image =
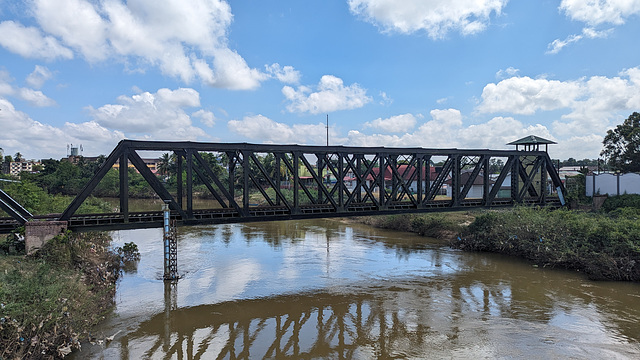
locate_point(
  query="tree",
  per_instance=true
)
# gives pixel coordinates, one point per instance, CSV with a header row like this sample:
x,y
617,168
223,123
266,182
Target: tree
x,y
622,145
18,157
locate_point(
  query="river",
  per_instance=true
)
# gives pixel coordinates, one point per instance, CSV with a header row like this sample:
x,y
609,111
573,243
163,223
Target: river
x,y
331,289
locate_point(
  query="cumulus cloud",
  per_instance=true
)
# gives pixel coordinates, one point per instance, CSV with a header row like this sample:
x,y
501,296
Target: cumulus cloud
x,y
262,128
39,76
160,115
591,102
331,95
37,140
394,124
206,117
436,17
601,11
508,72
587,33
29,42
33,97
285,74
524,95
186,40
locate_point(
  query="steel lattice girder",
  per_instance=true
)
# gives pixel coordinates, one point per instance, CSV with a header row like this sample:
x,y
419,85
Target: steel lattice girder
x,y
387,180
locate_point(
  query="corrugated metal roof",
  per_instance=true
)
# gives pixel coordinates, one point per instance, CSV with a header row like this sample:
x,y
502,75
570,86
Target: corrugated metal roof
x,y
531,140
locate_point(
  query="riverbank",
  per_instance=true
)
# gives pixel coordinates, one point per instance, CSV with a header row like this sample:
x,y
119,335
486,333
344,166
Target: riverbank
x,y
603,246
49,301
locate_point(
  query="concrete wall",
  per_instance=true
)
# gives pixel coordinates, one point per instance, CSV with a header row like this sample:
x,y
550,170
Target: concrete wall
x,y
37,233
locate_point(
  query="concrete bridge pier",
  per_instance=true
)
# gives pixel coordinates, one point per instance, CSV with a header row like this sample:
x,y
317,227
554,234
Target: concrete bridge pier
x,y
37,233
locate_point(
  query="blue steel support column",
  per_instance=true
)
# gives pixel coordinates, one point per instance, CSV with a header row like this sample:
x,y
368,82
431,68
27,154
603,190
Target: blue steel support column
x,y
170,246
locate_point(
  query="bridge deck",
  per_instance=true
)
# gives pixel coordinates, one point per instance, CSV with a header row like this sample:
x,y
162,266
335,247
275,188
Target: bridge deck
x,y
151,219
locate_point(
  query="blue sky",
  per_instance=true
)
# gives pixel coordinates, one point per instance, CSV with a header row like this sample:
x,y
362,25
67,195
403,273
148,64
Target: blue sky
x,y
427,73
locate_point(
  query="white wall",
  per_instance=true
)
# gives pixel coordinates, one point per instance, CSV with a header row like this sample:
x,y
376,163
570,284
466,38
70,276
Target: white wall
x,y
609,183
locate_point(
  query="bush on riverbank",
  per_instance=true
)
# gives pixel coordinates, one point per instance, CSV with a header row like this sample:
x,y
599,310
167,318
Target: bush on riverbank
x,y
50,300
602,246
441,226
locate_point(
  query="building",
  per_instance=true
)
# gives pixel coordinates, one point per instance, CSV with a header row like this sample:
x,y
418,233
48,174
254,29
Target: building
x,y
16,167
407,172
477,189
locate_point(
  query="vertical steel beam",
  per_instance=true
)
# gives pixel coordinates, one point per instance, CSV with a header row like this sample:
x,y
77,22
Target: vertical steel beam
x,y
543,181
278,188
515,179
455,181
320,165
189,157
340,182
381,189
485,181
296,182
245,181
123,170
358,170
179,178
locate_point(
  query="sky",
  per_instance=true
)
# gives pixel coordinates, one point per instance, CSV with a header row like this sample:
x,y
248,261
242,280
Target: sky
x,y
414,73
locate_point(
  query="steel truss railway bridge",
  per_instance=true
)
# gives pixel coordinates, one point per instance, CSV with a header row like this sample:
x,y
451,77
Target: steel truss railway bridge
x,y
282,182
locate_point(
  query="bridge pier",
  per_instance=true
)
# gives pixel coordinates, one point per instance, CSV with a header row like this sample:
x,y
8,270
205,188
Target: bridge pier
x,y
37,233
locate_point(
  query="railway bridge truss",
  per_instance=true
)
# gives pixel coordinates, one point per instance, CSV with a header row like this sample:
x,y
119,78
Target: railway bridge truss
x,y
261,182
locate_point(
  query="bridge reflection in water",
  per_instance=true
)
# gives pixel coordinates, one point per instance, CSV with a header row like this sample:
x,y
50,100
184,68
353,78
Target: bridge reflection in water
x,y
458,317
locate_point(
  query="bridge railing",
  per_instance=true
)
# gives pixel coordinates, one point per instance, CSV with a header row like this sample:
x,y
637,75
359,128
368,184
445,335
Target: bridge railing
x,y
252,182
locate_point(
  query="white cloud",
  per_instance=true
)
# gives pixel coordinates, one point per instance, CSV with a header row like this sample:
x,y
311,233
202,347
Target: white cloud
x,y
262,128
591,102
395,124
587,33
599,12
35,97
508,72
331,95
436,17
186,40
39,76
206,117
29,42
286,74
524,95
37,140
77,23
159,116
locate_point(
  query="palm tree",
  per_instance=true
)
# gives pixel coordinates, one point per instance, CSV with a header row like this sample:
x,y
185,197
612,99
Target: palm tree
x,y
18,157
165,164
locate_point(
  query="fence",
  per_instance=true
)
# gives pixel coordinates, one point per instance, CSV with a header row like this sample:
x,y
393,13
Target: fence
x,y
612,184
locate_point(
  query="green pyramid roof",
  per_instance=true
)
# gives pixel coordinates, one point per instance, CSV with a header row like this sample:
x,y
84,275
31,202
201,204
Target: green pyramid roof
x,y
531,140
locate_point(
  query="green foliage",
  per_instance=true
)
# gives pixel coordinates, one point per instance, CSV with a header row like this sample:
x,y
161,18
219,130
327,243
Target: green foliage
x,y
622,145
576,189
129,252
621,201
430,225
604,247
50,300
38,201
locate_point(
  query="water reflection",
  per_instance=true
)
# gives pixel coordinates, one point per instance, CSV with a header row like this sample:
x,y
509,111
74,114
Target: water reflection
x,y
325,289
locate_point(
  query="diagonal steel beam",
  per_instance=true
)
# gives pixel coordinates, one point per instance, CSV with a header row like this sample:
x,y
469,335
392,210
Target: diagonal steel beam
x,y
155,184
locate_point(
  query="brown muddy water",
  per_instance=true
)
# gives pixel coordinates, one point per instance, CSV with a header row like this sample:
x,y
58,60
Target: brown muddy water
x,y
327,289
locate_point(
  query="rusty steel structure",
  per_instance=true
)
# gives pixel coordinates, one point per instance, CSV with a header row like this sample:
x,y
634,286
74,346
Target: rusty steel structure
x,y
252,182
